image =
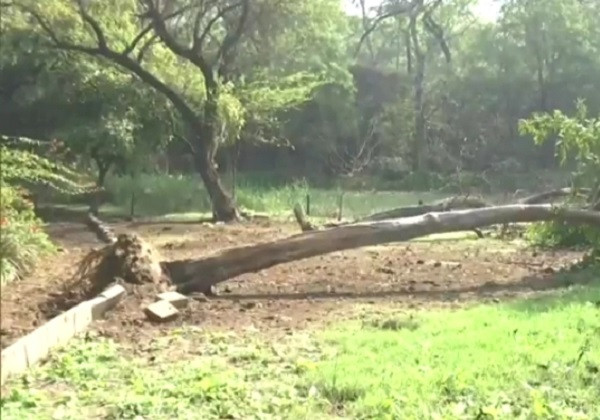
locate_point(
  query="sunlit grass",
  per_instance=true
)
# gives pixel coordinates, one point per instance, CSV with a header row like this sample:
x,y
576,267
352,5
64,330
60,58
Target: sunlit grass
x,y
536,358
159,195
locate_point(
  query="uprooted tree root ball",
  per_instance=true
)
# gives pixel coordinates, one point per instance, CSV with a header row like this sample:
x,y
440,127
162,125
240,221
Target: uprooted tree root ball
x,y
130,259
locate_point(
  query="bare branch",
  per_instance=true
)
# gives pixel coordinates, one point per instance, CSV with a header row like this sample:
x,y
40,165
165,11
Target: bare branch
x,y
124,61
437,31
160,28
405,8
232,38
56,41
145,47
131,46
199,38
136,40
102,45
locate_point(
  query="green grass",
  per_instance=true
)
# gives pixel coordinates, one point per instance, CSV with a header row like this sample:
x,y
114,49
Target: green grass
x,y
538,358
159,195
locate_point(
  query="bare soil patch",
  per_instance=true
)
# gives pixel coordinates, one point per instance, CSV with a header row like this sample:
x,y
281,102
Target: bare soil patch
x,y
287,296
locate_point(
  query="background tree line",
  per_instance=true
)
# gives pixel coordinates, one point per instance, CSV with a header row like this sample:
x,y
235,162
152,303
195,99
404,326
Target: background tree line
x,y
410,92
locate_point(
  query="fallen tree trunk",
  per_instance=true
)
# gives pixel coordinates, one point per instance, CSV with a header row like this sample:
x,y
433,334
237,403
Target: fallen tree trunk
x,y
547,196
447,204
102,231
201,275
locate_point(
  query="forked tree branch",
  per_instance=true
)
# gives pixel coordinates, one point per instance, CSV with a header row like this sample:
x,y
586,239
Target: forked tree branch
x,y
412,9
120,58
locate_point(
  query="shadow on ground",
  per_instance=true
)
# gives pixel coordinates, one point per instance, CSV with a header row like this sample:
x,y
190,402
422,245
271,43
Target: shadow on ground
x,y
578,285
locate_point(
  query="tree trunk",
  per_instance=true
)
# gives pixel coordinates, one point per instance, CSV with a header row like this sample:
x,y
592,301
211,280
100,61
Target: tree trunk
x,y
103,167
447,204
201,275
418,146
223,206
549,196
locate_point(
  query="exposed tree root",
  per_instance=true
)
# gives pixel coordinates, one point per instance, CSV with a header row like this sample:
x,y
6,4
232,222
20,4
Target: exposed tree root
x,y
135,262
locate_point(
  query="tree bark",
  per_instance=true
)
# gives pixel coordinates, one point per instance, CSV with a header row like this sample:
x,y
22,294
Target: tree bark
x,y
223,206
419,140
201,275
103,168
548,196
452,203
207,142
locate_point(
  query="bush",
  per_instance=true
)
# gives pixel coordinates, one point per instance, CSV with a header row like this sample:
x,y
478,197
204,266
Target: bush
x,y
23,241
561,235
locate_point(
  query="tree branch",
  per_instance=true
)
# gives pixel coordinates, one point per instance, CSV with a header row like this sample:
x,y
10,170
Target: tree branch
x,y
102,45
437,31
232,39
199,38
407,9
126,62
131,46
160,28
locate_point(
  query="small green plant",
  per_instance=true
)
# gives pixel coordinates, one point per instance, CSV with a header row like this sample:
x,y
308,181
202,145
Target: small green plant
x,y
22,240
578,143
561,235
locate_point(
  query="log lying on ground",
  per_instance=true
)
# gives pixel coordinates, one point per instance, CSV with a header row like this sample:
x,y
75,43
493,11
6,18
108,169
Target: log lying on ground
x,y
102,231
465,202
447,204
548,196
200,275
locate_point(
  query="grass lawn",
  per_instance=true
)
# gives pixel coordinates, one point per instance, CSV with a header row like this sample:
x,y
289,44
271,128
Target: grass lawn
x,y
157,195
538,358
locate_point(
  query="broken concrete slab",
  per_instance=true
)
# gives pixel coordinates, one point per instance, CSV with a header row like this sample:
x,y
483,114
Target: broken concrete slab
x,y
107,300
176,299
161,311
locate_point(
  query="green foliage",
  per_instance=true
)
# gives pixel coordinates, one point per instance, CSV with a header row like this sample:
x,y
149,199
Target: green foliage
x,y
562,235
578,139
22,241
167,195
536,358
24,167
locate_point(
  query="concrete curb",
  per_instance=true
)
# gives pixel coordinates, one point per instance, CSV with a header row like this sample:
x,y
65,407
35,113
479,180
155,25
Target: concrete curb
x,y
35,346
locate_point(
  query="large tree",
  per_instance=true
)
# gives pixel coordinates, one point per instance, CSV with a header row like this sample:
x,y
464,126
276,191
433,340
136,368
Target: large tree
x,y
195,53
417,24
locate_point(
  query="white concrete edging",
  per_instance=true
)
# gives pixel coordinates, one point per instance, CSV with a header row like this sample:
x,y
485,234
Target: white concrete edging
x,y
35,346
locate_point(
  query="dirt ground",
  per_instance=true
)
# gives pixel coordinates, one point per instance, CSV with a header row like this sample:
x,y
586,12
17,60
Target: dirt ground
x,y
292,295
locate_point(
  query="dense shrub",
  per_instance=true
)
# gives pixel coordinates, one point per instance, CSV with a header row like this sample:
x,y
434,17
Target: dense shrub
x,y
23,241
561,235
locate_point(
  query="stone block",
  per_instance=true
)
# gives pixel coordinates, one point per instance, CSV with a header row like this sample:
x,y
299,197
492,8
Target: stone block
x,y
161,311
176,299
